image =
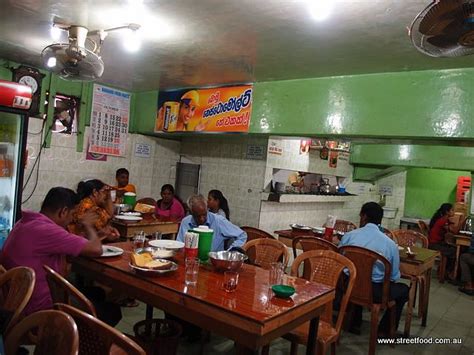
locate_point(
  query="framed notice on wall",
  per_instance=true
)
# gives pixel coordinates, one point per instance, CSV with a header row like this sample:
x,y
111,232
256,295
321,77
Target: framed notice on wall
x,y
109,121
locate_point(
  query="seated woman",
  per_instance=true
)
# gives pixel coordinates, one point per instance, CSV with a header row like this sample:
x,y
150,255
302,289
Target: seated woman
x,y
94,196
217,203
169,207
438,227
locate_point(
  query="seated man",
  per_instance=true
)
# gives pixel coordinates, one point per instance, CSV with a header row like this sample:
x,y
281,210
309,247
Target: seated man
x,y
369,236
223,229
39,239
466,262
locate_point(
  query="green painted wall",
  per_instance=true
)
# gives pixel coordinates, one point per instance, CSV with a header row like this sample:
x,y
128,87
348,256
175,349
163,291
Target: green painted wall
x,y
427,189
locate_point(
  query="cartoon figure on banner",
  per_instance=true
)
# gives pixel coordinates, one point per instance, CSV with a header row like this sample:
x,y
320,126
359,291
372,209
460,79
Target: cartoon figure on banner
x,y
176,116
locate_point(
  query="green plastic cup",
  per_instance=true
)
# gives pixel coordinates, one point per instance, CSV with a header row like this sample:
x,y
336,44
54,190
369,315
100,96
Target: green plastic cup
x,y
205,242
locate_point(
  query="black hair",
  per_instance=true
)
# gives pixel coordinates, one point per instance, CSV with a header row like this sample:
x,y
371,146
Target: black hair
x,y
86,188
442,211
121,171
58,198
373,211
223,204
168,187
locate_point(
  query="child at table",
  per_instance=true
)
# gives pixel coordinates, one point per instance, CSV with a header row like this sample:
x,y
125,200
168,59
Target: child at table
x,y
122,176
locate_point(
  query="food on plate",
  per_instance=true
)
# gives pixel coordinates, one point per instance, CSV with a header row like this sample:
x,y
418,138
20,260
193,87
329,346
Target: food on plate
x,y
163,253
141,260
158,265
144,208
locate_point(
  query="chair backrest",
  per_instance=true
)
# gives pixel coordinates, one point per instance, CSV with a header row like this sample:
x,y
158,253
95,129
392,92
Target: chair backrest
x,y
460,207
264,251
425,230
364,261
147,201
62,291
344,226
310,243
456,222
255,233
410,238
326,268
55,334
16,287
96,337
388,233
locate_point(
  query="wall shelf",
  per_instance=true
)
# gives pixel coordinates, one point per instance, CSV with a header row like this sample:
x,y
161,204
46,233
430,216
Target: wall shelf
x,y
302,198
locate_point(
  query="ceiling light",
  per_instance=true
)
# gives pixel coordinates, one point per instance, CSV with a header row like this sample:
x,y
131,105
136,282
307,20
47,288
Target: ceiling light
x,y
51,63
320,9
55,33
132,41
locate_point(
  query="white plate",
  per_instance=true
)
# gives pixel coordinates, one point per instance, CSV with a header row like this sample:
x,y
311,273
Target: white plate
x,y
173,267
300,227
136,214
465,232
318,230
400,248
128,218
167,244
109,250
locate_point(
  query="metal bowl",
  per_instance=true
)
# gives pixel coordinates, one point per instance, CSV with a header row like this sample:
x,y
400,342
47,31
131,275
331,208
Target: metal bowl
x,y
227,260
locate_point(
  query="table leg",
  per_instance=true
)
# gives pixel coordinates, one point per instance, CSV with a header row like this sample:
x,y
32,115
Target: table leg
x,y
456,262
313,338
149,312
427,297
411,301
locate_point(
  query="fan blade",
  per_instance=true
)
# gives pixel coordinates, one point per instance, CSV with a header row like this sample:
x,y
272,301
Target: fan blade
x,y
440,15
443,41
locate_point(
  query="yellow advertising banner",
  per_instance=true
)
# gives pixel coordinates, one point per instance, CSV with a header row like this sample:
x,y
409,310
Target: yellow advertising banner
x,y
225,109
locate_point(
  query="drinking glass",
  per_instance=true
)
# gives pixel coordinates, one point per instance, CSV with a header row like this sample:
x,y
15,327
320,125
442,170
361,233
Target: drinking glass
x,y
231,279
139,241
191,271
157,235
276,273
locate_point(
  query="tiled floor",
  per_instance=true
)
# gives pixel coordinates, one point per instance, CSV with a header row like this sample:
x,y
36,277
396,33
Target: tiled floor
x,y
451,315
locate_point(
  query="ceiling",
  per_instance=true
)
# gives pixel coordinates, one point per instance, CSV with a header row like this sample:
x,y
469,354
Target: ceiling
x,y
190,43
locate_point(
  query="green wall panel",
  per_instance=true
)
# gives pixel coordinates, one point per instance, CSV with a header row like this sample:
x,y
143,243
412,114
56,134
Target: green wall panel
x,y
427,189
144,111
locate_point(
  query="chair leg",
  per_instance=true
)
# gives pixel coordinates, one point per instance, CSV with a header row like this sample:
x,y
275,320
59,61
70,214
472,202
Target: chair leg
x,y
421,297
442,269
392,330
294,348
321,350
333,348
374,322
266,349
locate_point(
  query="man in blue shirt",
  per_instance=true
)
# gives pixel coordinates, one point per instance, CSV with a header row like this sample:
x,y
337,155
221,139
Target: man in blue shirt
x,y
223,229
369,236
466,262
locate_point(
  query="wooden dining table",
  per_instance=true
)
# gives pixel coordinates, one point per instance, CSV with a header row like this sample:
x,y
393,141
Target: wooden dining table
x,y
251,316
417,268
128,229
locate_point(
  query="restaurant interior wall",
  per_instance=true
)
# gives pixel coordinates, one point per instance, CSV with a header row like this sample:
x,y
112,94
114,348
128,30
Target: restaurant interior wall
x,y
427,189
62,165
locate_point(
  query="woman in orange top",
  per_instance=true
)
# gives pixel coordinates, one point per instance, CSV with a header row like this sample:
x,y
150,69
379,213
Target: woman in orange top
x,y
95,196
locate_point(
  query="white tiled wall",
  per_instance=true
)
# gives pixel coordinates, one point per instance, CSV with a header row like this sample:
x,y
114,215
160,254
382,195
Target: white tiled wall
x,y
224,167
397,200
61,165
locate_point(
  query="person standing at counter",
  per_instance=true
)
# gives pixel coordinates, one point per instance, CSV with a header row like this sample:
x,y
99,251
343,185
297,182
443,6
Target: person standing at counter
x,y
94,196
223,229
122,176
217,203
169,207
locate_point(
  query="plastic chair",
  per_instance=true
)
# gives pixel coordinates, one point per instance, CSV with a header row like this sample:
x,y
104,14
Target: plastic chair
x,y
55,334
96,337
62,291
264,251
388,233
410,238
311,243
16,287
326,267
147,201
362,294
423,228
255,233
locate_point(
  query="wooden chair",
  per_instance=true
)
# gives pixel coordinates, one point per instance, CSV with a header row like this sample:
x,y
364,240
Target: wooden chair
x,y
425,230
362,294
96,337
326,267
410,238
147,201
62,291
344,226
255,233
55,334
388,233
16,287
307,244
264,251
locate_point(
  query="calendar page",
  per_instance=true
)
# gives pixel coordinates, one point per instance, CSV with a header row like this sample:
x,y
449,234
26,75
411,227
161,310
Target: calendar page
x,y
109,121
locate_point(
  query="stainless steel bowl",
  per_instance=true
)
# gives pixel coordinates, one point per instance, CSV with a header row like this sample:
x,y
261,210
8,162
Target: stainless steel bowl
x,y
227,260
